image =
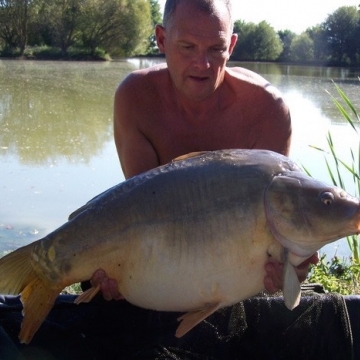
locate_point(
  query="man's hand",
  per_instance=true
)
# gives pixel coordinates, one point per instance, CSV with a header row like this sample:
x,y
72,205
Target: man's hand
x,y
273,280
108,287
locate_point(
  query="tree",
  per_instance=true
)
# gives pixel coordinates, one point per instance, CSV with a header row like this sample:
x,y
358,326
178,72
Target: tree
x,y
59,22
243,49
155,19
321,47
302,48
136,36
14,19
120,27
256,42
267,42
286,37
342,32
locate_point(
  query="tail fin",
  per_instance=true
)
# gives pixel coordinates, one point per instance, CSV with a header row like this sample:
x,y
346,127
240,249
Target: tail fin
x,y
16,271
17,275
38,300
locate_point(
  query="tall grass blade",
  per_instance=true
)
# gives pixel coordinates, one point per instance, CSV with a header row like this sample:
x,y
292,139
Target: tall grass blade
x,y
353,169
347,101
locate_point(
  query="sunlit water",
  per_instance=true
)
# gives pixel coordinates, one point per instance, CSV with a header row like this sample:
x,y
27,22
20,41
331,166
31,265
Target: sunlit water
x,y
56,136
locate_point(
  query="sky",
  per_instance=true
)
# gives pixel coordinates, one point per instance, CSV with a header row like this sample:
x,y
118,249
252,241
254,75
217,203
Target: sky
x,y
286,14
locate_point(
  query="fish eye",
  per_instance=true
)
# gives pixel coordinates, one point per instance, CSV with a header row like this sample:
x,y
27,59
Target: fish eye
x,y
327,198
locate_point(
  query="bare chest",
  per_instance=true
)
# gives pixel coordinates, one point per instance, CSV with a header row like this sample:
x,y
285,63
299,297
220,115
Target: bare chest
x,y
173,136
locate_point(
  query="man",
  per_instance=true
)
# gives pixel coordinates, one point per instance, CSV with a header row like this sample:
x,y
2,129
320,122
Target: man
x,y
196,103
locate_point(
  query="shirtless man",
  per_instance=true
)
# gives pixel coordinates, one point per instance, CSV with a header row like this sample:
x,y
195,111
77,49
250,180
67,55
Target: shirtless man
x,y
195,103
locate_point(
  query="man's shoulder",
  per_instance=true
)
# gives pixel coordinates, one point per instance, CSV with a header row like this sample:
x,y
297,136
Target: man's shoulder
x,y
145,87
151,74
145,80
244,74
250,82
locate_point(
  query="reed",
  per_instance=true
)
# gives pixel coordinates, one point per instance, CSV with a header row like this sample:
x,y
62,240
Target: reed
x,y
342,275
352,117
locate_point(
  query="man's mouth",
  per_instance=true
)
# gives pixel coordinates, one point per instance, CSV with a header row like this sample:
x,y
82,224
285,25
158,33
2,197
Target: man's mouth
x,y
198,78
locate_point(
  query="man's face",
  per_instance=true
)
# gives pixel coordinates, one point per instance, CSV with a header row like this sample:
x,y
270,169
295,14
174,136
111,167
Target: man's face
x,y
197,47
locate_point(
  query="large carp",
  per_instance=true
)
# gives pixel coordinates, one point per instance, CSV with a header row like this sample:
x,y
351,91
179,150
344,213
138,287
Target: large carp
x,y
191,236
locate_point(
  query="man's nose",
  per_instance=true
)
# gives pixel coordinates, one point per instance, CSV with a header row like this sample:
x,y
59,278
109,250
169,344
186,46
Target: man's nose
x,y
202,60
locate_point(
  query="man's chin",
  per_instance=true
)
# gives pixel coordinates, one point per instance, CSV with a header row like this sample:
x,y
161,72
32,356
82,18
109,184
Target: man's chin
x,y
199,94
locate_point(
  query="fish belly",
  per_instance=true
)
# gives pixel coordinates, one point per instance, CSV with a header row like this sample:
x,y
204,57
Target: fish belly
x,y
181,267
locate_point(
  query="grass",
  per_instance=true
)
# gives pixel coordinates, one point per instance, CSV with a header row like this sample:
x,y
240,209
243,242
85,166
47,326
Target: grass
x,y
342,275
54,53
73,289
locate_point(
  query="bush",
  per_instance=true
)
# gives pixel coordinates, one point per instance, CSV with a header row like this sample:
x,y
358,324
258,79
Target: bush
x,y
336,275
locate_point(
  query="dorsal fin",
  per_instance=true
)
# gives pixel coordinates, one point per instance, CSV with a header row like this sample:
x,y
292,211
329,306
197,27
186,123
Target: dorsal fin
x,y
190,155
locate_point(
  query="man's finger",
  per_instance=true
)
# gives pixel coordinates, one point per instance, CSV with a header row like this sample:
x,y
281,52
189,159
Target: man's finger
x,y
97,277
114,290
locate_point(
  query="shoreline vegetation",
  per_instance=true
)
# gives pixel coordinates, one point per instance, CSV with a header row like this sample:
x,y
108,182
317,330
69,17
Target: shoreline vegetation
x,y
46,53
341,275
117,29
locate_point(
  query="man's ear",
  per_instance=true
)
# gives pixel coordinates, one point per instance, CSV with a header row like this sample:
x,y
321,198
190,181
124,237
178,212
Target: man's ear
x,y
233,41
160,37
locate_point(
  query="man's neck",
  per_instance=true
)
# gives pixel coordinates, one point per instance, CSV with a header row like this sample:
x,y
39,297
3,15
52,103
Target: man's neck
x,y
203,108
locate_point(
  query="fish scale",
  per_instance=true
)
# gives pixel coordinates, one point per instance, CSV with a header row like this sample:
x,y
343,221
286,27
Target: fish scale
x,y
193,236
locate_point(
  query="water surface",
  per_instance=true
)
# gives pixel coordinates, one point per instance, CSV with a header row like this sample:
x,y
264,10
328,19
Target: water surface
x,y
56,135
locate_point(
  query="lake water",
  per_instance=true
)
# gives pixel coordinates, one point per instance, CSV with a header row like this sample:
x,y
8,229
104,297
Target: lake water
x,y
56,136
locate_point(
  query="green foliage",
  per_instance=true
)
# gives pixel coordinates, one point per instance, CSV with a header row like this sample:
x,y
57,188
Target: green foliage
x,y
336,275
126,28
120,27
342,29
156,18
335,41
321,48
14,19
337,165
74,289
302,48
58,22
353,168
286,37
256,42
42,52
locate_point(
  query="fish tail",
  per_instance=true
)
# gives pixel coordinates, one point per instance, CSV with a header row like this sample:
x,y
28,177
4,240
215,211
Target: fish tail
x,y
37,299
17,276
16,271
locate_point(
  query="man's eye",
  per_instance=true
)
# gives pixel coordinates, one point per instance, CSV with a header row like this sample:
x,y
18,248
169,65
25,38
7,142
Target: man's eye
x,y
187,47
217,49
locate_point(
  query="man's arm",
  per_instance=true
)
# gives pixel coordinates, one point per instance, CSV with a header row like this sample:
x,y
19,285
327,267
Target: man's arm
x,y
135,151
273,129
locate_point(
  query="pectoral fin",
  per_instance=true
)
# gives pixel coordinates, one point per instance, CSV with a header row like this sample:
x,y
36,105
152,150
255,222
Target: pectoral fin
x,y
292,289
87,295
193,318
190,155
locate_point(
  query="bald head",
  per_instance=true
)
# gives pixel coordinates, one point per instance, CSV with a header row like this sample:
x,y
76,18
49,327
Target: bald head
x,y
207,6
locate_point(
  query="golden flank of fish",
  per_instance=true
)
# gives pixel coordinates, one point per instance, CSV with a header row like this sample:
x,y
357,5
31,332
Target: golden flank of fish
x,y
191,236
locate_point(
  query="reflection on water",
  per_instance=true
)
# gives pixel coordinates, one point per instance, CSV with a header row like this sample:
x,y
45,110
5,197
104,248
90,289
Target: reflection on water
x,y
49,111
15,236
56,137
